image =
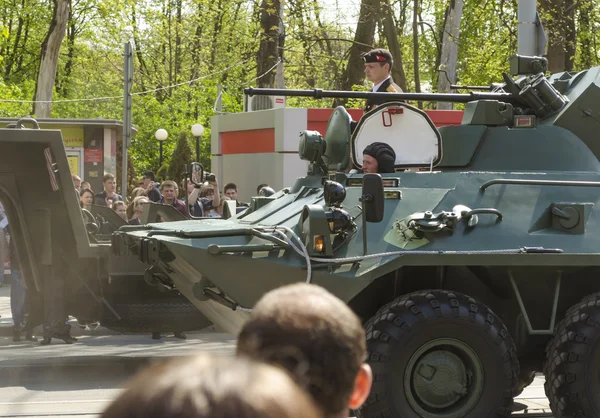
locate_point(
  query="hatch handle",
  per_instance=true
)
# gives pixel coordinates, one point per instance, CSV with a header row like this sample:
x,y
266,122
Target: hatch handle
x,y
491,211
21,121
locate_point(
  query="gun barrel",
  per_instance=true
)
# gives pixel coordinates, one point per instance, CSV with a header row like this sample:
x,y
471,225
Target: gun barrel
x,y
425,97
457,87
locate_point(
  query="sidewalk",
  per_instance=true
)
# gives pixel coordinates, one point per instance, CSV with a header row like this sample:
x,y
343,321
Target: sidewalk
x,y
6,323
6,319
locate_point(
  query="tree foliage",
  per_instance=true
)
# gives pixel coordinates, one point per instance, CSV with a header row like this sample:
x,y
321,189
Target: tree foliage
x,y
186,50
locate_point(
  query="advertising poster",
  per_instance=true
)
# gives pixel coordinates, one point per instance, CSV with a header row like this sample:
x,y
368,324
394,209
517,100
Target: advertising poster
x,y
74,164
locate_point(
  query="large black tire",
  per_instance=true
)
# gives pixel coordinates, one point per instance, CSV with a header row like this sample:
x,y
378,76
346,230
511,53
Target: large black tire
x,y
463,347
572,368
156,316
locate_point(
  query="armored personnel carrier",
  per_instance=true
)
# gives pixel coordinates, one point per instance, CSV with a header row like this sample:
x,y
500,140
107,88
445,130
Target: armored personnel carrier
x,y
64,252
474,265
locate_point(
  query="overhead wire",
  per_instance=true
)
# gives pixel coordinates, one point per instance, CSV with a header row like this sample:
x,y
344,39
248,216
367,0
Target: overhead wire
x,y
133,94
243,84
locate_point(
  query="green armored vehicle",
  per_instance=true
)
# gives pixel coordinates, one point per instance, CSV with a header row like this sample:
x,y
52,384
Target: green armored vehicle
x,y
474,265
64,251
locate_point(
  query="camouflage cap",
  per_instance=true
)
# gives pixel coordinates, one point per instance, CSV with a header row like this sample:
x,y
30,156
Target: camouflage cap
x,y
378,55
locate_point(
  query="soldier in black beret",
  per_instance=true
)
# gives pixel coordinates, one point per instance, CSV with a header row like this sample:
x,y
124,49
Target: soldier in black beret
x,y
378,157
378,66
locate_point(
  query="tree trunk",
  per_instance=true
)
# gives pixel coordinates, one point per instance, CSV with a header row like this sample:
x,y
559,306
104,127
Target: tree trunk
x,y
558,18
49,58
71,33
178,29
269,41
168,20
449,50
391,35
415,29
217,28
570,34
326,44
363,43
11,58
197,44
138,48
19,68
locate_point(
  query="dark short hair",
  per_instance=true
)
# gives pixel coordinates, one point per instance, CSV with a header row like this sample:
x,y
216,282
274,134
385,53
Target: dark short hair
x,y
149,175
230,186
118,203
86,190
312,334
260,186
107,177
212,386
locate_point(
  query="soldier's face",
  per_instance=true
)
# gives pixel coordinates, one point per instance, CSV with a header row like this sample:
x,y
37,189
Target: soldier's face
x,y
370,164
375,72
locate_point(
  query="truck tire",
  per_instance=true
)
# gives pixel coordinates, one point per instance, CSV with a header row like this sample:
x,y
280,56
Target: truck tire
x,y
573,361
439,354
155,317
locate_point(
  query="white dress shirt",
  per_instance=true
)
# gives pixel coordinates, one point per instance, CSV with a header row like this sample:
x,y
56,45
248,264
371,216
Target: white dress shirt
x,y
376,86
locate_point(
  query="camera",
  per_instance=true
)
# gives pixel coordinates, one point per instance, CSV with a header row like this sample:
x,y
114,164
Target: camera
x,y
209,177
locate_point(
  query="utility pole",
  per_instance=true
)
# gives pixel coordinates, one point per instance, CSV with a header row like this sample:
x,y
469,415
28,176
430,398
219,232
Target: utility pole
x,y
128,81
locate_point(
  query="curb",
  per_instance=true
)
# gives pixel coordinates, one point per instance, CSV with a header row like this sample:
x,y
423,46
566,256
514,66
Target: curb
x,y
6,330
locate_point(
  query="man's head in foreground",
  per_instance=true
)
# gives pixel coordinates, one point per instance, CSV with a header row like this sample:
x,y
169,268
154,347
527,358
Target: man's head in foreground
x,y
317,338
212,387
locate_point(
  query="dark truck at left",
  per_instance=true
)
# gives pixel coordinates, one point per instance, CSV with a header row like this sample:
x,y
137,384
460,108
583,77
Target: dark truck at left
x,y
65,255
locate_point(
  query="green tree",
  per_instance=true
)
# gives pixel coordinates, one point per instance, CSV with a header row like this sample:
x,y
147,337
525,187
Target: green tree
x,y
180,159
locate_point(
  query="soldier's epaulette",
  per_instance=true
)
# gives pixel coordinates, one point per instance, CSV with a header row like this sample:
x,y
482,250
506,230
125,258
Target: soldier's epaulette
x,y
391,89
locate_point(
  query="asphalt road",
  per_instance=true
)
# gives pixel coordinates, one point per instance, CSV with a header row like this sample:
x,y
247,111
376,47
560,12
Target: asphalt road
x,y
81,379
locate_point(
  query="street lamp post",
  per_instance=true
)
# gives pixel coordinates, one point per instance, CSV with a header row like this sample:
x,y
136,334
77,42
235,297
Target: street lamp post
x,y
197,131
161,136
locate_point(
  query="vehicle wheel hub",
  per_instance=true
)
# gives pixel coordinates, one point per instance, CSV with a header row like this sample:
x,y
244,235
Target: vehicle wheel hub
x,y
440,379
444,378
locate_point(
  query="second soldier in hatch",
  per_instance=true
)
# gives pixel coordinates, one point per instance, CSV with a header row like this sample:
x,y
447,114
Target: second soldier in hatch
x,y
378,68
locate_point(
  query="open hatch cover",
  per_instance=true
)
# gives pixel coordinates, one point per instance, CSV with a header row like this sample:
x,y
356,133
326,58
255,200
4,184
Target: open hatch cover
x,y
408,130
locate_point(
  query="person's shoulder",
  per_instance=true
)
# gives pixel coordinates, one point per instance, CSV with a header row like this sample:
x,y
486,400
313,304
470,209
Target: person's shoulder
x,y
102,194
393,88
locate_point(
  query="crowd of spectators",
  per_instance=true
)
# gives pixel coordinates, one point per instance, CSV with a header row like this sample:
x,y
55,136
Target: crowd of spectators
x,y
204,199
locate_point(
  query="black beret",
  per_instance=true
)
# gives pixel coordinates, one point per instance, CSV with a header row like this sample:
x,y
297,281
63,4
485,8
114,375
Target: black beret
x,y
378,55
384,154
